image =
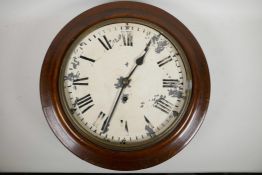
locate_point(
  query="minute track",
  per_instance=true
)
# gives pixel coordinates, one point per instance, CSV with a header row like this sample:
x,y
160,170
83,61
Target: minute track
x,y
109,102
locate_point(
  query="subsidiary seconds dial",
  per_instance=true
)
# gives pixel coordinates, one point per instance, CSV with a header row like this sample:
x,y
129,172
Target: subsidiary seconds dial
x,y
125,84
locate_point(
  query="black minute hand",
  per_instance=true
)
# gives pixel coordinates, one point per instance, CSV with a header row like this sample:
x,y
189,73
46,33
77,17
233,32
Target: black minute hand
x,y
139,61
105,126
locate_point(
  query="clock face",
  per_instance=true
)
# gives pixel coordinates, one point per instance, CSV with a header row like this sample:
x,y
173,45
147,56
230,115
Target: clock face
x,y
125,84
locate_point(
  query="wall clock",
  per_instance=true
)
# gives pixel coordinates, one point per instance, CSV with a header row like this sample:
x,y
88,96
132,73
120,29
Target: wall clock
x,y
124,86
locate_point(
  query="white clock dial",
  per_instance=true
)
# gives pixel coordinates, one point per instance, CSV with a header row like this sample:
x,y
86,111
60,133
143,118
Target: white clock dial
x,y
125,84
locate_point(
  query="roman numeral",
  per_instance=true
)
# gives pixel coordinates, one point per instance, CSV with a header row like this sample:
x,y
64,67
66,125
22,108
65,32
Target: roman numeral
x,y
99,118
149,128
170,83
80,81
106,44
85,102
164,61
104,125
124,125
163,105
127,38
148,122
88,59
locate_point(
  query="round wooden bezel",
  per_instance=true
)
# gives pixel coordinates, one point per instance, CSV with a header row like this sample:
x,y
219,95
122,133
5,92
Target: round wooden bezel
x,y
114,159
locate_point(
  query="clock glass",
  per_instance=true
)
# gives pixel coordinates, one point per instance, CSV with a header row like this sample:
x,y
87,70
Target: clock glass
x,y
125,83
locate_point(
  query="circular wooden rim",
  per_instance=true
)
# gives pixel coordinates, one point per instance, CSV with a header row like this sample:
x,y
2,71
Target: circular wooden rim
x,y
124,160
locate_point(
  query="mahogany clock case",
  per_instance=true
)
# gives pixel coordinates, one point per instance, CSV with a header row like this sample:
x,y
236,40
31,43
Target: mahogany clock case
x,y
118,159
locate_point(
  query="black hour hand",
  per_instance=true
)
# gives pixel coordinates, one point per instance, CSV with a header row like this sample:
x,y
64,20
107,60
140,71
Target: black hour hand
x,y
140,60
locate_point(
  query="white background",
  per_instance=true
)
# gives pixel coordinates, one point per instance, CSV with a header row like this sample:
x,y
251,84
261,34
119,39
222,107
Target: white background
x,y
230,34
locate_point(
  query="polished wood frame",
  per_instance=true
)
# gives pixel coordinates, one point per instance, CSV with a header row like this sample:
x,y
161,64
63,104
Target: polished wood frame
x,y
82,146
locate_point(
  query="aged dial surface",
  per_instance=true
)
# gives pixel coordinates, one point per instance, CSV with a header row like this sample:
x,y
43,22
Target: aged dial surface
x,y
125,84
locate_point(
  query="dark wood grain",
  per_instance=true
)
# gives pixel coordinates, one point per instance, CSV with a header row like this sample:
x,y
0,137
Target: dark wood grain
x,y
124,160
